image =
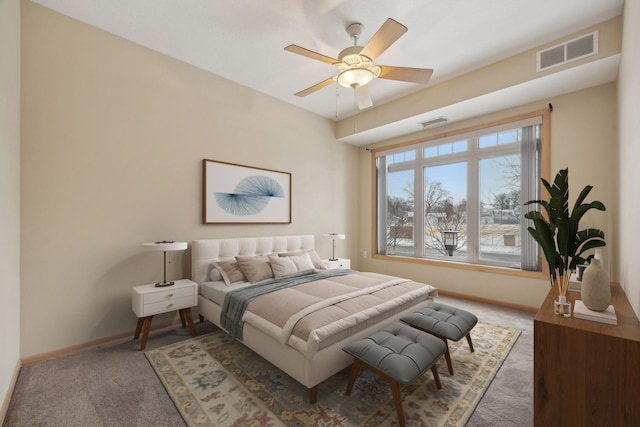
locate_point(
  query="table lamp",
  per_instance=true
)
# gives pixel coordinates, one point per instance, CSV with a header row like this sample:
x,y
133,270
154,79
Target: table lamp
x,y
165,246
334,237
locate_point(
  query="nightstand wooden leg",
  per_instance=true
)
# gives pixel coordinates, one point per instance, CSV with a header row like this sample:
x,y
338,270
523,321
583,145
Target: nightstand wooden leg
x,y
182,319
145,332
138,328
201,317
186,313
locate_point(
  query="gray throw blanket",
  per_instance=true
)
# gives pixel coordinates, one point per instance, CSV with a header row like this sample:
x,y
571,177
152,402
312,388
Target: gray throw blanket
x,y
235,302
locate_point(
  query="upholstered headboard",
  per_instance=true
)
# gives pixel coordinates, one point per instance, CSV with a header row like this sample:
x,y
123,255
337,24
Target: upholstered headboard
x,y
205,252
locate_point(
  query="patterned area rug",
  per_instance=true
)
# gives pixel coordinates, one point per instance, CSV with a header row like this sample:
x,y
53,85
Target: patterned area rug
x,y
216,381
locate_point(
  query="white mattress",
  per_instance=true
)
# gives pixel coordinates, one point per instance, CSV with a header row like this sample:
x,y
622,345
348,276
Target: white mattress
x,y
216,291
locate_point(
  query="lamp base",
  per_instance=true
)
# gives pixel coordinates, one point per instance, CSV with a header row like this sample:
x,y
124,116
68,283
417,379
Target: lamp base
x,y
333,259
163,284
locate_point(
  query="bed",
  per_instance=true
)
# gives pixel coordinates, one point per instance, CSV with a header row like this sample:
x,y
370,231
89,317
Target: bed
x,y
323,310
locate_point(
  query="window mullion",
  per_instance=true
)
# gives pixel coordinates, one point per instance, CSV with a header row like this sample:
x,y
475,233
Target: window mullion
x,y
473,203
418,215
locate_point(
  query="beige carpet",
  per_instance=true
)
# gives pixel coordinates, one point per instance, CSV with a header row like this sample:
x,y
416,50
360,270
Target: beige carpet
x,y
215,380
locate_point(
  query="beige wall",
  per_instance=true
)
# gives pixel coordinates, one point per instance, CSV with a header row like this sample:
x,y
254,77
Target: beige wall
x,y
10,196
583,138
113,137
628,172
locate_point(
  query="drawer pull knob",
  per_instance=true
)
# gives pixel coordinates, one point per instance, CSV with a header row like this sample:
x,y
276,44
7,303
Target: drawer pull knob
x,y
170,305
170,296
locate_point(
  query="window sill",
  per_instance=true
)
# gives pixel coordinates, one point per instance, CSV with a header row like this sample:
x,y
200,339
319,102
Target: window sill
x,y
465,266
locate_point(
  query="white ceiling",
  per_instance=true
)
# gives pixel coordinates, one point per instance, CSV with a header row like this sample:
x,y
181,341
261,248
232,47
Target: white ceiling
x,y
244,40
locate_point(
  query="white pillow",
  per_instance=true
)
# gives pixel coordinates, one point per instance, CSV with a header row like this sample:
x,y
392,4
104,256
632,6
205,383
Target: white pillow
x,y
302,262
282,266
215,274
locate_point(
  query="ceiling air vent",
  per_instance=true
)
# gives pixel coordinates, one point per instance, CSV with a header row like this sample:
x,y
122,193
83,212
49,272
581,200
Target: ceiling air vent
x,y
569,51
434,123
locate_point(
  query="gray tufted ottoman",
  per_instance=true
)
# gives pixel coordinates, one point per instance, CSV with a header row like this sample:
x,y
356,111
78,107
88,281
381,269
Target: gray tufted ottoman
x,y
399,354
445,322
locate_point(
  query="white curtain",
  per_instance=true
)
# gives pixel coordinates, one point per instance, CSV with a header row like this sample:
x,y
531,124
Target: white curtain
x,y
529,190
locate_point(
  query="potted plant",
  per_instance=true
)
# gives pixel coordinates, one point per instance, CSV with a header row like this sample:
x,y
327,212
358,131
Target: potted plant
x,y
558,234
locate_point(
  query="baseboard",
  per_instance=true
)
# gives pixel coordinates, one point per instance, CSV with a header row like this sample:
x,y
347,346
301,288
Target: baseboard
x,y
90,344
489,301
7,398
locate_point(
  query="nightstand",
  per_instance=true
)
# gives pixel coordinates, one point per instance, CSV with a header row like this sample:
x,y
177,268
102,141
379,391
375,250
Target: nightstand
x,y
339,263
149,300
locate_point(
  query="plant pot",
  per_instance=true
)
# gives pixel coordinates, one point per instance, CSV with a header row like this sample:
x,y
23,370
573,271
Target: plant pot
x,y
596,290
562,307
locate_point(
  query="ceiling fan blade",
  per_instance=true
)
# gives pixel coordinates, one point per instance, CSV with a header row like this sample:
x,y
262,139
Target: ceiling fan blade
x,y
363,96
310,54
315,87
405,74
390,31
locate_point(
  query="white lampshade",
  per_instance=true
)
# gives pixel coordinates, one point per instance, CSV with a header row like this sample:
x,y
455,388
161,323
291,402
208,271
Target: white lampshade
x,y
335,236
355,77
165,246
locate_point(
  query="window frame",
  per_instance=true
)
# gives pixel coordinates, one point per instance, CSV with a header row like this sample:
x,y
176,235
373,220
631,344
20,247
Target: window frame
x,y
420,144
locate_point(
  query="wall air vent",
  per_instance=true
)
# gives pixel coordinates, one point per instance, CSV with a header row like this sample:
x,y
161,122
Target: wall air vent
x,y
434,123
572,50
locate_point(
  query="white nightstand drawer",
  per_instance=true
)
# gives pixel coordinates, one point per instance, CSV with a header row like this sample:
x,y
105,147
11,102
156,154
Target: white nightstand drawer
x,y
335,264
168,305
148,300
166,295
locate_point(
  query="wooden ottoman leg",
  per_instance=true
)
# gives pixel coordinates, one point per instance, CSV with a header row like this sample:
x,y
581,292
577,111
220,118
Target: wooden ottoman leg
x,y
352,376
436,375
447,357
395,388
469,341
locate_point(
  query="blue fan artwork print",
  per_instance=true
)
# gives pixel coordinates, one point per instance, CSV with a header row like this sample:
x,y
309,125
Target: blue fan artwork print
x,y
251,195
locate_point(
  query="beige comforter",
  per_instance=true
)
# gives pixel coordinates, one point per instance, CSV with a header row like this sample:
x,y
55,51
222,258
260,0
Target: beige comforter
x,y
313,315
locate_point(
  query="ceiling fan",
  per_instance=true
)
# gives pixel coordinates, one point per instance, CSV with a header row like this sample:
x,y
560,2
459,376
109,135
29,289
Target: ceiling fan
x,y
356,65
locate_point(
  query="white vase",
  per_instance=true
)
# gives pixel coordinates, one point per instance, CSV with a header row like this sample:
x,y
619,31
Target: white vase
x,y
596,290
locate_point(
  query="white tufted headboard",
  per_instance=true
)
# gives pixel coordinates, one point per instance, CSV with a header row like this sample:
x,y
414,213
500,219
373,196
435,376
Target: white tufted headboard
x,y
205,252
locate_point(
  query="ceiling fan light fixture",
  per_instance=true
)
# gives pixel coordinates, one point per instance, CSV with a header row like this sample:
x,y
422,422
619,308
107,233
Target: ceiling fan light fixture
x,y
355,77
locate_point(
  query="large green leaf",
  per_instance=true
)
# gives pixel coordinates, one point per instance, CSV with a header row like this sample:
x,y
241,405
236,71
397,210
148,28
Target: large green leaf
x,y
558,234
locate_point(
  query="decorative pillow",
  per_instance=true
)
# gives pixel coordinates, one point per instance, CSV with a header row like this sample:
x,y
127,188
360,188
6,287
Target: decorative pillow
x,y
282,266
302,262
230,271
255,268
315,258
215,275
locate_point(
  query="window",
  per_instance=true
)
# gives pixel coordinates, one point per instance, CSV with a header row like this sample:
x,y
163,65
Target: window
x,y
474,184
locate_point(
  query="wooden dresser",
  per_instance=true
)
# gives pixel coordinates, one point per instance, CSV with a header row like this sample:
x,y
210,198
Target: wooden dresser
x,y
586,373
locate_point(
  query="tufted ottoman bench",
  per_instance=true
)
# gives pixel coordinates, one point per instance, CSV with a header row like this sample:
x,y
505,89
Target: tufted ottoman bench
x,y
399,354
445,322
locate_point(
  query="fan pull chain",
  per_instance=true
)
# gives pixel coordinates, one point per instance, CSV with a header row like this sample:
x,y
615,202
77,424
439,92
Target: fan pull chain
x,y
337,95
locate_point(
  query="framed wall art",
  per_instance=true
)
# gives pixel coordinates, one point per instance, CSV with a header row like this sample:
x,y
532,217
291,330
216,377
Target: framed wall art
x,y
238,194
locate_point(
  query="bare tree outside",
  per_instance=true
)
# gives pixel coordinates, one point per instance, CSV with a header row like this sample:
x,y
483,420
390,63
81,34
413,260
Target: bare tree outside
x,y
399,221
443,213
